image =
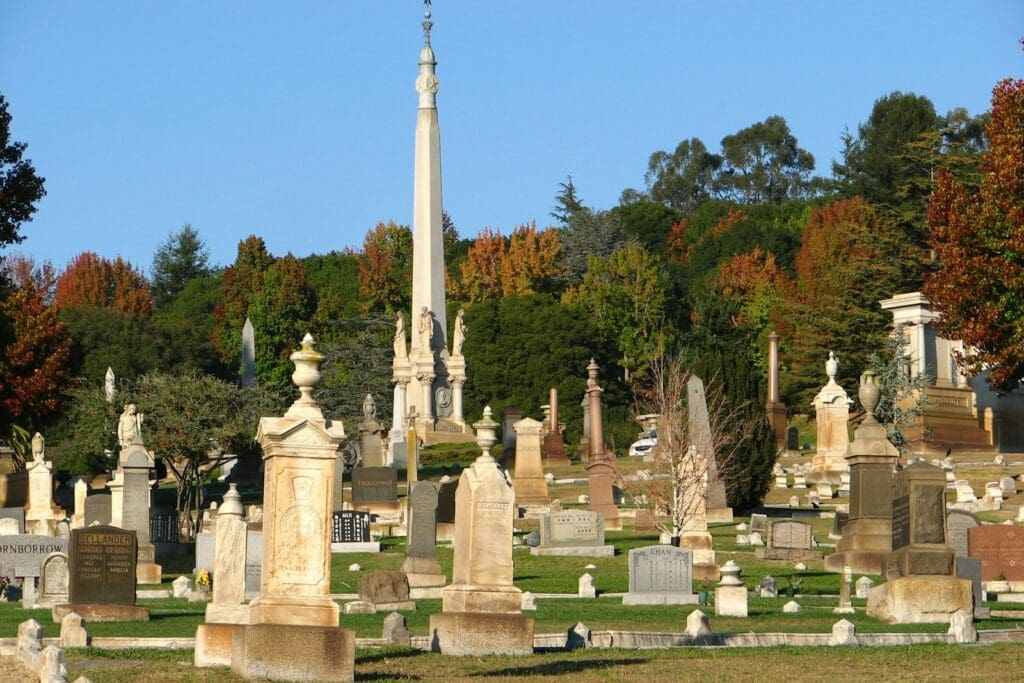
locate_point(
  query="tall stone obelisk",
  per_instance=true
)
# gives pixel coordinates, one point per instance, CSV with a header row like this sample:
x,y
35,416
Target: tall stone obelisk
x,y
431,378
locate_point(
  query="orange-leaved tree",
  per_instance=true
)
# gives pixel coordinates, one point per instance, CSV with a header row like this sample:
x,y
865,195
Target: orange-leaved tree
x,y
385,268
92,280
979,241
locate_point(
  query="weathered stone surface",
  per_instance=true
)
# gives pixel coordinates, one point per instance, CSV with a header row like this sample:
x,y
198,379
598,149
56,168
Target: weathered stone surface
x,y
832,408
697,626
384,587
72,631
395,629
961,627
791,535
530,486
359,607
463,633
293,653
180,586
229,604
958,522
920,599
791,606
587,588
53,580
578,637
864,586
94,612
23,555
213,645
843,634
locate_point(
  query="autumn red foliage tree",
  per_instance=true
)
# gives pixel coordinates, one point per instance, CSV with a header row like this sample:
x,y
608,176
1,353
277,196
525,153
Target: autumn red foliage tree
x,y
92,280
978,239
35,375
677,249
385,268
521,265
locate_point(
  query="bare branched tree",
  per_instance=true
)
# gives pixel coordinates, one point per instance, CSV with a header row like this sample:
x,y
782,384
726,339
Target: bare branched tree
x,y
694,453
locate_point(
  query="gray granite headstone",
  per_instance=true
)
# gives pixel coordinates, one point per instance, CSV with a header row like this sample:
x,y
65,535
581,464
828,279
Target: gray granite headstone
x,y
791,535
571,529
970,568
792,439
206,543
422,535
135,496
22,555
660,575
97,508
699,430
957,524
759,524
14,513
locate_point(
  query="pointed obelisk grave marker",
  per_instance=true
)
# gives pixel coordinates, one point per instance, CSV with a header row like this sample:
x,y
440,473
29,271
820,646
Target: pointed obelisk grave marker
x,y
293,629
482,609
432,375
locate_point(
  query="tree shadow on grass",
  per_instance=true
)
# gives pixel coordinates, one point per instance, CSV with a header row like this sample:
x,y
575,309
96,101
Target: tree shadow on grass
x,y
386,676
563,667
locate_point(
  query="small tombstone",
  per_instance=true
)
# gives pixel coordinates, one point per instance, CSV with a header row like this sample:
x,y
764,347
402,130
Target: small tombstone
x,y
181,586
791,607
533,539
386,589
843,634
864,584
1008,485
53,579
660,575
768,588
994,490
964,492
697,626
52,665
578,637
758,523
529,603
395,629
961,627
72,631
792,439
794,501
587,589
958,523
791,534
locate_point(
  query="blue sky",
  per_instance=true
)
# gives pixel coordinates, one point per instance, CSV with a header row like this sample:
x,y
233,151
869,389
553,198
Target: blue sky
x,y
294,121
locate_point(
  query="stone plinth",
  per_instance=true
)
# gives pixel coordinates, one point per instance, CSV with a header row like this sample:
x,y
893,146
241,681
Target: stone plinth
x,y
213,645
530,486
920,599
601,476
832,409
93,612
293,653
476,634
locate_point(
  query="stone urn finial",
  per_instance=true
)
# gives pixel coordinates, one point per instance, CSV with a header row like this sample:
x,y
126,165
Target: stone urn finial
x,y
486,435
869,393
592,373
232,504
831,366
307,370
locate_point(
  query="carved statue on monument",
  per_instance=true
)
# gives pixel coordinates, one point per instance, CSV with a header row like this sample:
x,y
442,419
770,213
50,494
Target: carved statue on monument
x,y
108,385
459,334
426,329
38,447
400,350
129,425
369,408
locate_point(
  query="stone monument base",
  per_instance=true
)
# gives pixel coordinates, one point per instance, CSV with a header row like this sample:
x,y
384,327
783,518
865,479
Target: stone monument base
x,y
425,577
731,601
385,509
227,614
532,510
827,468
554,450
789,554
446,531
213,645
702,570
485,599
148,572
720,515
920,599
293,653
661,598
92,612
294,611
475,633
864,547
578,551
363,547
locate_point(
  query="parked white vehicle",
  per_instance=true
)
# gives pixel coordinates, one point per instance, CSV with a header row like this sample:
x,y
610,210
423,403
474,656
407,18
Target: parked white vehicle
x,y
644,445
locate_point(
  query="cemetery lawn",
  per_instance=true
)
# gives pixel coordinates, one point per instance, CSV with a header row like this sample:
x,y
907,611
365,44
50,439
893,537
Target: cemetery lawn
x,y
918,663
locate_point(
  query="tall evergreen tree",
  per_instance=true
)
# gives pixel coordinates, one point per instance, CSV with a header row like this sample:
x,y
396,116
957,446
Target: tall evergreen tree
x,y
180,259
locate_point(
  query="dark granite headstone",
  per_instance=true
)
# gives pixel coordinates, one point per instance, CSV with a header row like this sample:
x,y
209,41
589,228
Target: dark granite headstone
x,y
900,522
958,522
374,485
970,568
422,535
22,555
163,526
14,513
1000,549
446,502
103,566
350,526
792,439
97,508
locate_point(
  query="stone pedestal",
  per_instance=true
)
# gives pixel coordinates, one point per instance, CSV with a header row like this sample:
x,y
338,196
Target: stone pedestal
x,y
530,486
920,599
93,612
293,632
554,447
482,608
40,514
731,594
775,410
832,409
867,535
